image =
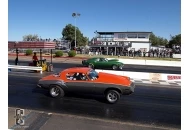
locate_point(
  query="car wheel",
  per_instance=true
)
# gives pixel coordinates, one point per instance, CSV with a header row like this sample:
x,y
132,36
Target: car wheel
x,y
114,67
91,66
56,91
112,96
120,67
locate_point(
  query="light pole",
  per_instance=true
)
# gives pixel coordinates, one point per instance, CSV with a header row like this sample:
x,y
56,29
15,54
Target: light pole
x,y
16,60
75,15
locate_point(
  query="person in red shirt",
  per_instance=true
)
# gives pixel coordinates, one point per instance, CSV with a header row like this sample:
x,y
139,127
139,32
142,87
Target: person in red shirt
x,y
35,59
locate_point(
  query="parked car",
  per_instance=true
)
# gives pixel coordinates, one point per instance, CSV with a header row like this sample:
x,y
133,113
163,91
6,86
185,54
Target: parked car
x,y
100,62
85,80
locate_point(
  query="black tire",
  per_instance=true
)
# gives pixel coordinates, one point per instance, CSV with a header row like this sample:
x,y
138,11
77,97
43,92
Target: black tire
x,y
114,67
56,91
112,96
91,66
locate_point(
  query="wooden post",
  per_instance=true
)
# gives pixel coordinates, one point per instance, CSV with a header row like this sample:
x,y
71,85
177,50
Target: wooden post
x,y
41,56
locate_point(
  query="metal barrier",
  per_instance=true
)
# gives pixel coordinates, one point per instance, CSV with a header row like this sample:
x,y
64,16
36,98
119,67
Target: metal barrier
x,y
25,67
145,75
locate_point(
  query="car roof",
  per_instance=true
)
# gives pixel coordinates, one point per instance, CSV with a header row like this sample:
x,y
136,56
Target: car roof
x,y
77,69
96,58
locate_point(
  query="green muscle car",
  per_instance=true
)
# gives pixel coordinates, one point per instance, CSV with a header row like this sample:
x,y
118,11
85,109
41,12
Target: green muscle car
x,y
100,62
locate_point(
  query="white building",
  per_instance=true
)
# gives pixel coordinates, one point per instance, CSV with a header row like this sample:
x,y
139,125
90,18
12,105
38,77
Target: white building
x,y
122,40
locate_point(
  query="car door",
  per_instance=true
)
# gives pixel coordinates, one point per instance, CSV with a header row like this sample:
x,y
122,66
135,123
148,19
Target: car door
x,y
78,85
101,63
97,86
96,63
110,64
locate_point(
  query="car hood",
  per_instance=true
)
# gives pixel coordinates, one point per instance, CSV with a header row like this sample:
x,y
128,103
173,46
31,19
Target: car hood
x,y
113,78
51,77
115,61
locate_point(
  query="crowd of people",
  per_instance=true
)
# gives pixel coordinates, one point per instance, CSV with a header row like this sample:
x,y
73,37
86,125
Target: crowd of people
x,y
153,52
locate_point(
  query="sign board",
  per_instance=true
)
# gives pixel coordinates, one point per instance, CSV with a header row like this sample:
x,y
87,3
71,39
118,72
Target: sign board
x,y
155,76
19,114
174,77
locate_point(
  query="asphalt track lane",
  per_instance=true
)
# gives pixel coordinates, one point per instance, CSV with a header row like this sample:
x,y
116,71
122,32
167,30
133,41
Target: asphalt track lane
x,y
133,68
148,105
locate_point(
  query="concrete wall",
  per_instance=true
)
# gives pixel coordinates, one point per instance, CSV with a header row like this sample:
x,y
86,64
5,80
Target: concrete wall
x,y
177,56
143,75
150,62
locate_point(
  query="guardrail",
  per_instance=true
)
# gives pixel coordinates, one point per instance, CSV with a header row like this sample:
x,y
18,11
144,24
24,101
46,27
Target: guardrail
x,y
143,75
25,67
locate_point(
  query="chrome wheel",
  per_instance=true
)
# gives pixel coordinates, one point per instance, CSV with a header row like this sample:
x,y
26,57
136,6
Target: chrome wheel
x,y
120,67
54,92
112,97
114,67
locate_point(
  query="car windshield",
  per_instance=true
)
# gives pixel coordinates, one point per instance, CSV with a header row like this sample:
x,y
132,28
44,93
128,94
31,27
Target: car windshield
x,y
92,74
103,59
106,59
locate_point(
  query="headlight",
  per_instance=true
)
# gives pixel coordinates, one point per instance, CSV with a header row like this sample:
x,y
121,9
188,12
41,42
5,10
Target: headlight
x,y
83,61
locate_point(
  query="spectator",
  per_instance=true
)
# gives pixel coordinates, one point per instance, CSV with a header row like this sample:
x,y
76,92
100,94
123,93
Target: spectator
x,y
35,59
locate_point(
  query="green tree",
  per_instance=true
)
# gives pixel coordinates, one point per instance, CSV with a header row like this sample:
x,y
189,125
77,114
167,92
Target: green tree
x,y
30,37
156,40
175,40
68,33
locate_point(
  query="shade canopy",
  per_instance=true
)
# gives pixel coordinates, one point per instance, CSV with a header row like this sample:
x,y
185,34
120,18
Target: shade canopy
x,y
31,45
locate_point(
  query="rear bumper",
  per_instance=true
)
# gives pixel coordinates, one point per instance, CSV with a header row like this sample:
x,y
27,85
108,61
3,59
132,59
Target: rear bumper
x,y
129,90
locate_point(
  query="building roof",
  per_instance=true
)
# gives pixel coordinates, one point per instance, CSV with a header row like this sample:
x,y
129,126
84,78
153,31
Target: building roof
x,y
109,33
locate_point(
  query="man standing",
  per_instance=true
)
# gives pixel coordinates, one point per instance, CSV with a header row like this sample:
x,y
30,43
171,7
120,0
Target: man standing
x,y
35,59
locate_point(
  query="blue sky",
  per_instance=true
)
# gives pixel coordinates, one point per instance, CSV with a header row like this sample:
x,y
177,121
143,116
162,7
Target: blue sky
x,y
47,18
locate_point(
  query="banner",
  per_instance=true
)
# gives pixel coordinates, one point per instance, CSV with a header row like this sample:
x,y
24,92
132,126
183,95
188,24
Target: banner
x,y
174,77
155,76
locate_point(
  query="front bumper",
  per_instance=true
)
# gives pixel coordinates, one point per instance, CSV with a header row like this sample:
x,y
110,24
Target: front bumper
x,y
84,63
39,85
129,90
122,65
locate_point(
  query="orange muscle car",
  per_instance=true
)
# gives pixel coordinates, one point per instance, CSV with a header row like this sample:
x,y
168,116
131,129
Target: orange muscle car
x,y
87,81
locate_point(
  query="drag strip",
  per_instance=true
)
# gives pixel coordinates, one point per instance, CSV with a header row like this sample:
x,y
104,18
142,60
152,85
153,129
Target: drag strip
x,y
133,68
148,105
